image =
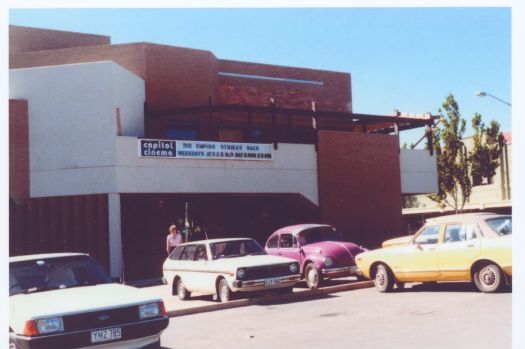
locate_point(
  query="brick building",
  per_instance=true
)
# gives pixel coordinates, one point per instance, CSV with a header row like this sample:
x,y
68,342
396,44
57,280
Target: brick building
x,y
110,144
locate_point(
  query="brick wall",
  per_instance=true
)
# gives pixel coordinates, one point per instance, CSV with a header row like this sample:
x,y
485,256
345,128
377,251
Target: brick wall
x,y
18,149
179,77
334,94
24,39
360,185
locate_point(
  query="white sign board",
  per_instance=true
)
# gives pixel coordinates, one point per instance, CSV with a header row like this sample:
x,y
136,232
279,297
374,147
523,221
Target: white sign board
x,y
204,150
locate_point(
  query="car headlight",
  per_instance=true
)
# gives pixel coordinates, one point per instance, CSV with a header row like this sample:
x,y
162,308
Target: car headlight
x,y
294,268
241,273
149,310
50,325
328,261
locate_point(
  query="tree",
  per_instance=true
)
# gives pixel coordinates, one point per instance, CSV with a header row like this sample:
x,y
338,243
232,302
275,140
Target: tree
x,y
487,144
453,175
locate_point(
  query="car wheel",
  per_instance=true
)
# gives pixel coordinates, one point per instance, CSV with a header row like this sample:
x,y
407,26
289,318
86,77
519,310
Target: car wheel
x,y
224,291
384,279
488,278
182,292
312,276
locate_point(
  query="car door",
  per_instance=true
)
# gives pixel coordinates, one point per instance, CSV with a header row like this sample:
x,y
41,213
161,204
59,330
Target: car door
x,y
461,246
202,278
187,267
288,247
418,261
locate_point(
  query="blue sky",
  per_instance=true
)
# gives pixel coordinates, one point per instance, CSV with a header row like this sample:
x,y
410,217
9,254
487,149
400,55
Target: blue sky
x,y
400,58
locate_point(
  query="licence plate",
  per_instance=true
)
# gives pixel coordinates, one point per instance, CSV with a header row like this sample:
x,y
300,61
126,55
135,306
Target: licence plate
x,y
271,282
106,335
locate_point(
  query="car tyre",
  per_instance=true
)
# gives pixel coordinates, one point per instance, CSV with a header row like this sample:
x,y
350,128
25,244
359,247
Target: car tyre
x,y
223,291
182,292
488,278
384,279
312,276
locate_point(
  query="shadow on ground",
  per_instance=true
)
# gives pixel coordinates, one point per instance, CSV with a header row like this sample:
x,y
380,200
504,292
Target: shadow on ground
x,y
446,287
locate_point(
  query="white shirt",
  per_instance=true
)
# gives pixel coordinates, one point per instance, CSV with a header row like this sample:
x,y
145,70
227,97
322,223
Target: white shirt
x,y
174,240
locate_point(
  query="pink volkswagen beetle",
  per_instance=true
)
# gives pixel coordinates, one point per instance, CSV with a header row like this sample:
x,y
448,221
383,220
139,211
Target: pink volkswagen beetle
x,y
318,248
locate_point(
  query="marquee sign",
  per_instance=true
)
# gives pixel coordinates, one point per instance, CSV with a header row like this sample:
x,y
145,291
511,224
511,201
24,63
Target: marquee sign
x,y
159,148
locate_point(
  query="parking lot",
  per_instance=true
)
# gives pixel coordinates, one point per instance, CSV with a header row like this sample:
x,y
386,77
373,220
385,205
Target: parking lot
x,y
440,316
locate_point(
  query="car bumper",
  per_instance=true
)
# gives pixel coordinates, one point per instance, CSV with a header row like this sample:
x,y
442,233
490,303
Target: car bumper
x,y
264,284
341,272
135,335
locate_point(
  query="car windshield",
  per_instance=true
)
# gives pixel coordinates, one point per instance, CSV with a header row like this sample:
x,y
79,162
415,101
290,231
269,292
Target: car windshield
x,y
235,248
319,234
502,226
45,274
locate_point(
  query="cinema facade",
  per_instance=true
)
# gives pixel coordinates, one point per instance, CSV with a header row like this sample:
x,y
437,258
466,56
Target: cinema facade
x,y
110,144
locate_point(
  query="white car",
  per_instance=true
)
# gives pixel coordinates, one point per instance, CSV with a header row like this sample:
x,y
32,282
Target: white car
x,y
223,266
67,300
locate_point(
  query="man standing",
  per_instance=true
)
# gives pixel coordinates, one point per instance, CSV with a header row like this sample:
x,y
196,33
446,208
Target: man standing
x,y
173,239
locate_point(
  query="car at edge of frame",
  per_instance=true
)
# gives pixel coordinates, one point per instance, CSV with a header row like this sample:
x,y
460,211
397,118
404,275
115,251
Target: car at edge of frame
x,y
227,267
319,249
474,247
67,300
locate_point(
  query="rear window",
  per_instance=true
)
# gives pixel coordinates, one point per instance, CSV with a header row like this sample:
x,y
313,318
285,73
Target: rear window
x,y
502,226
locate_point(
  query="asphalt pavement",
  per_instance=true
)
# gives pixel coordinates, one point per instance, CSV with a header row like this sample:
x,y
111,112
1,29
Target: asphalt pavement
x,y
449,315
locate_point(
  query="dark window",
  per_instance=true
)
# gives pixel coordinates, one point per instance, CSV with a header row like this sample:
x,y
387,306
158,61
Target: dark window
x,y
502,226
52,273
319,234
272,243
201,254
189,253
286,241
175,255
235,248
182,129
428,236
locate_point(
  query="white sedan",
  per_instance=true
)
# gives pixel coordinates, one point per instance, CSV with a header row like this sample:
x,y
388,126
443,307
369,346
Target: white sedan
x,y
67,300
221,267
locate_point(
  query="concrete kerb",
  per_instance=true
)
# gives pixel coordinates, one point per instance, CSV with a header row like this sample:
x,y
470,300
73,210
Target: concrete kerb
x,y
272,298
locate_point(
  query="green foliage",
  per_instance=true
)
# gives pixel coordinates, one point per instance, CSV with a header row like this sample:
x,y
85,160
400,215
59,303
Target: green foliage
x,y
455,165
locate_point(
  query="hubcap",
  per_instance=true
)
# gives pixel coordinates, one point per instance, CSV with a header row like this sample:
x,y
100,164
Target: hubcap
x,y
180,289
224,293
380,278
312,276
487,276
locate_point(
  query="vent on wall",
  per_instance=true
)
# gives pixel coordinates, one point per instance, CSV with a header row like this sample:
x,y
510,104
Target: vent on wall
x,y
262,77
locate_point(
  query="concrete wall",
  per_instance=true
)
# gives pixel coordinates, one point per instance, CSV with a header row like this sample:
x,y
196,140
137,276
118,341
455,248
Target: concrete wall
x,y
418,171
293,170
72,124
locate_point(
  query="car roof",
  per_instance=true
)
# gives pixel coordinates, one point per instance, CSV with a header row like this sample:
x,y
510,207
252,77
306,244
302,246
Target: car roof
x,y
31,257
295,229
465,217
211,241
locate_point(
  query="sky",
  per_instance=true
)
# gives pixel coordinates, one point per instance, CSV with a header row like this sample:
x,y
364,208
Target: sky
x,y
408,59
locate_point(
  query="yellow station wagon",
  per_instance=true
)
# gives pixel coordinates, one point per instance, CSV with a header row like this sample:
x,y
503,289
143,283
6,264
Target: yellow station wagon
x,y
465,247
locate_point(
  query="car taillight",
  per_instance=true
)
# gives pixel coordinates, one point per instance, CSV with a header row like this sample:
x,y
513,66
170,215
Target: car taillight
x,y
30,329
162,308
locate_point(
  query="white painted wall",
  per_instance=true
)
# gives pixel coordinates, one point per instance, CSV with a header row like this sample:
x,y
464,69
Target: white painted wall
x,y
72,124
293,170
418,171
